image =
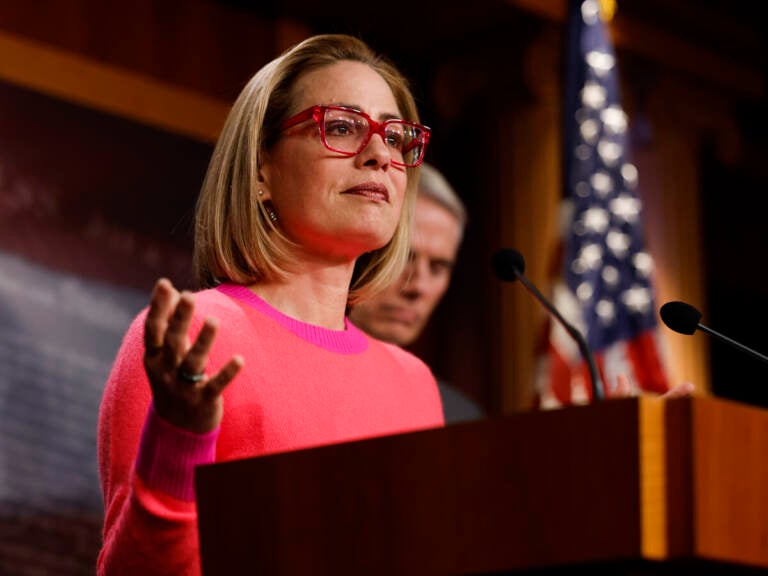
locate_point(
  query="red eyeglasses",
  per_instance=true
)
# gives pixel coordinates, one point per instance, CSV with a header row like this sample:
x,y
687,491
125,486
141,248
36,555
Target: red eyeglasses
x,y
347,131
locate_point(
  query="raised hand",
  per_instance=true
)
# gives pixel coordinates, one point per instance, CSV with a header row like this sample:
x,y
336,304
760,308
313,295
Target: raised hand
x,y
624,389
683,389
184,394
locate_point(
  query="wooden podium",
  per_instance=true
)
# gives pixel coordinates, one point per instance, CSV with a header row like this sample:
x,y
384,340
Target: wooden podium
x,y
632,486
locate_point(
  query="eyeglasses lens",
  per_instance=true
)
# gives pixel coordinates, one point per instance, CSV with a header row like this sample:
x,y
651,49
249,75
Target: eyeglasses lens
x,y
347,132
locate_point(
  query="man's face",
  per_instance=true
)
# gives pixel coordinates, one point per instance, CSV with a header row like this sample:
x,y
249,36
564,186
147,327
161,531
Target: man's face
x,y
399,313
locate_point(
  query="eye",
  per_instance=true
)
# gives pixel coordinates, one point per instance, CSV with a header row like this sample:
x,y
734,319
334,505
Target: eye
x,y
440,267
341,127
394,136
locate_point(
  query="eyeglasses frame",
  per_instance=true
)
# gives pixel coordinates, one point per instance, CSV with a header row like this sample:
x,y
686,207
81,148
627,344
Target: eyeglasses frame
x,y
317,113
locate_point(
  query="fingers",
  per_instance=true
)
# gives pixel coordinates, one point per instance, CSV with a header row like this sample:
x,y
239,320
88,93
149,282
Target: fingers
x,y
623,386
193,364
162,302
684,389
184,395
176,334
189,364
212,387
221,380
624,389
203,403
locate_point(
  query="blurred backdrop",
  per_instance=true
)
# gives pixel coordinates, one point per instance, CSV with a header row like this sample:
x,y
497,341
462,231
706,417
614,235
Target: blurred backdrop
x,y
108,114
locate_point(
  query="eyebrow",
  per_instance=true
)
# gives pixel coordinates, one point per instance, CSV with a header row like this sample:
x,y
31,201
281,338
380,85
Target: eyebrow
x,y
381,118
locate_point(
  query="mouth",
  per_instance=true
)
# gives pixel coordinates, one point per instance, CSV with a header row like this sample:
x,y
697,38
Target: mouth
x,y
370,190
401,315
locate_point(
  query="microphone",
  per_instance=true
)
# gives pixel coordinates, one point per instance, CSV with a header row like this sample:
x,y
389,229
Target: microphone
x,y
684,318
509,265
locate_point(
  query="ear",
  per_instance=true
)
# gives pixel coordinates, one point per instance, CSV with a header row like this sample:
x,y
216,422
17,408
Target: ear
x,y
265,177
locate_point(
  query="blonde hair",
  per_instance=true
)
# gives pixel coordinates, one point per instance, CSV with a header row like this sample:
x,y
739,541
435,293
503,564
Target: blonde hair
x,y
235,240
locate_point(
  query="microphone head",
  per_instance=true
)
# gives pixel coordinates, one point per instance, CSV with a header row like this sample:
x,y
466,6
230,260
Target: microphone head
x,y
680,317
507,264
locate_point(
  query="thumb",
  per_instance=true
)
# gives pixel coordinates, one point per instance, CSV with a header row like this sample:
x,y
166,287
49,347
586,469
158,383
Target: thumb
x,y
684,389
623,386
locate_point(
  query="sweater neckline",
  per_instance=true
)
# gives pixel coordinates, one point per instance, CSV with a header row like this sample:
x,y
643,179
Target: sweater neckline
x,y
351,340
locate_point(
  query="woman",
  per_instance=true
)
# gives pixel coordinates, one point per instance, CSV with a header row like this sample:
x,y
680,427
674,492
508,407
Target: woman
x,y
305,209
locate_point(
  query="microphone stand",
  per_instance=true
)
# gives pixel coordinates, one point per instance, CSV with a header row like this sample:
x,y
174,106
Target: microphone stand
x,y
732,342
586,353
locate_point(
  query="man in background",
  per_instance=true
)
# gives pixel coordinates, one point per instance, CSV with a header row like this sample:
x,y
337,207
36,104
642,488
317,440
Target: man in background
x,y
401,311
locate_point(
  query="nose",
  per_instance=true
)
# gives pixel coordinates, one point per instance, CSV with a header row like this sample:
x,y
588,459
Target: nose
x,y
415,277
376,153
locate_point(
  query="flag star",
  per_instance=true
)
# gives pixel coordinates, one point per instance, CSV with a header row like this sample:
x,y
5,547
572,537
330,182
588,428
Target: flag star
x,y
602,183
618,242
593,95
583,152
583,114
614,119
609,152
584,291
625,207
590,131
600,62
611,276
590,12
637,299
582,189
606,311
643,263
595,219
629,174
591,256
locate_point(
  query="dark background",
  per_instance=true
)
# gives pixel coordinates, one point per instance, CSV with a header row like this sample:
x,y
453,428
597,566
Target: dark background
x,y
473,68
93,196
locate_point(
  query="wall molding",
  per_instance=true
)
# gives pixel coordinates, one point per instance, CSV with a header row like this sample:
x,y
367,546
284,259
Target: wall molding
x,y
81,80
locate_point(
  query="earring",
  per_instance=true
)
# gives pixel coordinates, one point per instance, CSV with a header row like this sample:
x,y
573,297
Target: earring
x,y
270,211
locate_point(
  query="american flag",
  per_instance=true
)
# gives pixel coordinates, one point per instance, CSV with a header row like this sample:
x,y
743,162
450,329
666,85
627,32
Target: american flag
x,y
604,287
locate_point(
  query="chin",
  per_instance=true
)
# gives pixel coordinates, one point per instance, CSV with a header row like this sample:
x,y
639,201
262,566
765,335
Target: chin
x,y
393,337
402,340
368,243
372,235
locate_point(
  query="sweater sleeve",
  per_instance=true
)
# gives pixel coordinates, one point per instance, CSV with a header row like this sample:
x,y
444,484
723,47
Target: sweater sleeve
x,y
146,467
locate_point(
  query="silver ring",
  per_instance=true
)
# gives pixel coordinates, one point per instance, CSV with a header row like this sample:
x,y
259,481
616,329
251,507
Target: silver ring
x,y
187,377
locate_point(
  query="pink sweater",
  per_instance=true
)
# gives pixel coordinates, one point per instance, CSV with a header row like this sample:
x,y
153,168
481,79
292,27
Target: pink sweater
x,y
301,386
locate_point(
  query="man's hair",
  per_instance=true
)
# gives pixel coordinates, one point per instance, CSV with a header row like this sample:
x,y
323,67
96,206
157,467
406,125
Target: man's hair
x,y
433,185
235,240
